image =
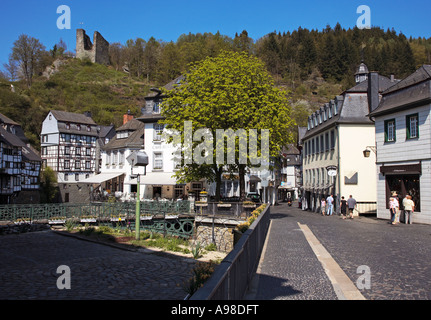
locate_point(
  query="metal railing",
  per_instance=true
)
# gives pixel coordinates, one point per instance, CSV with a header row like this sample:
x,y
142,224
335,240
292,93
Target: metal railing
x,y
10,214
233,276
235,209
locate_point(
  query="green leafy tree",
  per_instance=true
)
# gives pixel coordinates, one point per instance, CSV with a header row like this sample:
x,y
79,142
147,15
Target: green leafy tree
x,y
49,185
231,91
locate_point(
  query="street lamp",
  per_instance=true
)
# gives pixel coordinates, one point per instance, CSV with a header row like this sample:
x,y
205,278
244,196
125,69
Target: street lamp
x,y
368,150
139,159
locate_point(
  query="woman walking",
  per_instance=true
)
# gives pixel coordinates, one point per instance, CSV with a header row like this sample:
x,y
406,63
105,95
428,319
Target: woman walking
x,y
323,206
393,206
343,206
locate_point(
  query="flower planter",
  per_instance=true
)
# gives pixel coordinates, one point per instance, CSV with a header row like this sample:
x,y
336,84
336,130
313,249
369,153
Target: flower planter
x,y
22,221
118,219
88,220
201,204
224,205
146,218
170,216
56,221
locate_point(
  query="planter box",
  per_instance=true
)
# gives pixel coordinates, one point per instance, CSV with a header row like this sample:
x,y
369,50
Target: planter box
x,y
224,205
170,216
118,219
22,222
146,218
56,221
201,204
88,220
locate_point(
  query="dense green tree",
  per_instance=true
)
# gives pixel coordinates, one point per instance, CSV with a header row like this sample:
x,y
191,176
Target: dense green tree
x,y
231,91
49,187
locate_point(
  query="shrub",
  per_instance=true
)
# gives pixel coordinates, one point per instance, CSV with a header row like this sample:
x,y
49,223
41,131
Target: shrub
x,y
254,215
201,273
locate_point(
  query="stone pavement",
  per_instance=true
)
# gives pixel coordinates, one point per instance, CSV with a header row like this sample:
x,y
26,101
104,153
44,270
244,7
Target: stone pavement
x,y
293,268
29,262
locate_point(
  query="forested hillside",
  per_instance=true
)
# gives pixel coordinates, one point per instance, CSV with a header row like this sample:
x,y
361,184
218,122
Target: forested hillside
x,y
312,66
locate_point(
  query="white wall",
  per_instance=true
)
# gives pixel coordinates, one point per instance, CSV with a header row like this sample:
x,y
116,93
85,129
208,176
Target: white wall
x,y
353,141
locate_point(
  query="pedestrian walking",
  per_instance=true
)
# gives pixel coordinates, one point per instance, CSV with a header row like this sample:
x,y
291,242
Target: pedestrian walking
x,y
323,206
409,207
393,205
343,206
329,203
397,207
351,204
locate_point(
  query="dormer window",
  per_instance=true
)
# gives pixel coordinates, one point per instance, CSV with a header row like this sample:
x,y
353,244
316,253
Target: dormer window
x,y
68,126
88,128
156,107
122,134
329,113
78,127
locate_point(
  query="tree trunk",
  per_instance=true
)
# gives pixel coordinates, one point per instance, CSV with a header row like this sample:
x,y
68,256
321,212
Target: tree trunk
x,y
218,171
241,171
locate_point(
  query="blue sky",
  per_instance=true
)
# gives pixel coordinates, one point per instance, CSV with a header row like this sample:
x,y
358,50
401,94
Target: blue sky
x,y
121,20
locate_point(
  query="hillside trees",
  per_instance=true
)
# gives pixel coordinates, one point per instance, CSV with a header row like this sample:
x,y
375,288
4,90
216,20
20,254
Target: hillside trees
x,y
27,51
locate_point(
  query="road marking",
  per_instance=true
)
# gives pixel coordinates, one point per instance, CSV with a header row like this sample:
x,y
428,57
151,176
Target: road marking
x,y
343,286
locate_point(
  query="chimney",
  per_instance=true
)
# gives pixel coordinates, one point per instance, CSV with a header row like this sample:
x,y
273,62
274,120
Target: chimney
x,y
127,117
88,114
373,91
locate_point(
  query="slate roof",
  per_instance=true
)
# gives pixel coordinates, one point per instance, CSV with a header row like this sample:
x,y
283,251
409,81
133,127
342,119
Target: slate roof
x,y
134,140
13,140
352,106
155,91
65,116
384,84
414,90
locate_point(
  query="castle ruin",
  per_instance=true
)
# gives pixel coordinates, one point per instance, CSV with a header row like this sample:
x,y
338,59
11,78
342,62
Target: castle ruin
x,y
96,52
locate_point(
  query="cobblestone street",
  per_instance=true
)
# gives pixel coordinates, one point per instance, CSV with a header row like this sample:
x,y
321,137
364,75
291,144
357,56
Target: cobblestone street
x,y
398,257
29,262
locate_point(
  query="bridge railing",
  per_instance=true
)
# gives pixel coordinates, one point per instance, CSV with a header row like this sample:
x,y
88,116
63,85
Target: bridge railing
x,y
34,213
233,276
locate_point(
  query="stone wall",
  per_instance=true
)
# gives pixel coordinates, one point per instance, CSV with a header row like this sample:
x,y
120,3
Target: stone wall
x,y
223,236
96,52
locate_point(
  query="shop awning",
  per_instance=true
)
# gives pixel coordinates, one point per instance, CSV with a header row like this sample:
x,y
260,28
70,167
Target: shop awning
x,y
402,169
100,178
155,179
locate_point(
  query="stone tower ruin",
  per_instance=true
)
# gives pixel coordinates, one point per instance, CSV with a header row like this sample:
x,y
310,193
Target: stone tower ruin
x,y
97,52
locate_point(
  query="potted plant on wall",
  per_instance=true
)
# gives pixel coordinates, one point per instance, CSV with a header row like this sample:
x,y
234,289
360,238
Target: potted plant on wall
x,y
203,195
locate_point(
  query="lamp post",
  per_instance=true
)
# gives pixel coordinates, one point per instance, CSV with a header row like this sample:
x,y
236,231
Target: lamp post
x,y
138,209
140,159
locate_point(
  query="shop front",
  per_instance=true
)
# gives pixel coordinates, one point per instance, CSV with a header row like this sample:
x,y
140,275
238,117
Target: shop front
x,y
404,180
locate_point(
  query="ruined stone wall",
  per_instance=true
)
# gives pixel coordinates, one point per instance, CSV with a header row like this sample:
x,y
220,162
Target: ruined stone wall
x,y
96,52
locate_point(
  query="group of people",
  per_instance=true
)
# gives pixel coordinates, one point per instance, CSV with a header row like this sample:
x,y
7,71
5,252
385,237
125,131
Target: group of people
x,y
394,208
327,206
